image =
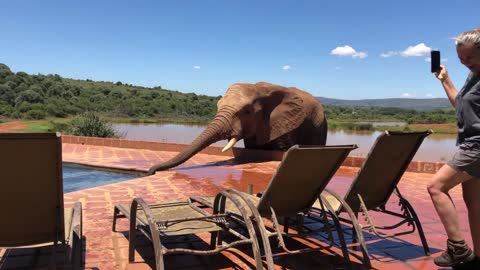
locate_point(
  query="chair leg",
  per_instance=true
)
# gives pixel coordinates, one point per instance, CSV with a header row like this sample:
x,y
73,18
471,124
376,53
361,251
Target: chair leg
x,y
213,240
286,224
361,240
77,237
414,216
154,233
251,229
132,235
356,228
220,239
53,264
338,227
115,215
355,231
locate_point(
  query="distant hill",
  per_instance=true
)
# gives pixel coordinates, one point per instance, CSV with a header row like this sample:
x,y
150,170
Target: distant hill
x,y
427,104
24,96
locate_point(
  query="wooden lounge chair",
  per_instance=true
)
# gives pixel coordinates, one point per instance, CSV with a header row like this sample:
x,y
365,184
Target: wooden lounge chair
x,y
373,186
31,195
184,218
302,175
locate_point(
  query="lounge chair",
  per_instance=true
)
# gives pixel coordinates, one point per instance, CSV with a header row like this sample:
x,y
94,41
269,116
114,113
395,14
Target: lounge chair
x,y
31,195
184,218
302,175
373,186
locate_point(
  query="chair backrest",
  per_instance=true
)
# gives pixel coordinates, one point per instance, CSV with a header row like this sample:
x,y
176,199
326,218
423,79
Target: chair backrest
x,y
385,164
31,189
301,177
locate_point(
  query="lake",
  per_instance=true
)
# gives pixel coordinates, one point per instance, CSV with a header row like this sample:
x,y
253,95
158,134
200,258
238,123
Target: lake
x,y
436,147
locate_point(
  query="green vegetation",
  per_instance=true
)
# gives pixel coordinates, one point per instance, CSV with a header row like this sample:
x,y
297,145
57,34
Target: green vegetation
x,y
38,126
382,114
424,104
34,97
354,118
332,125
24,96
87,124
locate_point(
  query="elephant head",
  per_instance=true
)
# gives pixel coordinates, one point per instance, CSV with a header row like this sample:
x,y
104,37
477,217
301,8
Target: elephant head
x,y
265,116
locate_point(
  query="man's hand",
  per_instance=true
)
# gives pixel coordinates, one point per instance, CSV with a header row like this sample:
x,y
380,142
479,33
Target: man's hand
x,y
442,74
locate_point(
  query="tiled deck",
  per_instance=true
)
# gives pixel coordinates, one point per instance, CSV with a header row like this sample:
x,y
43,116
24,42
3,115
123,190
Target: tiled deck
x,y
206,175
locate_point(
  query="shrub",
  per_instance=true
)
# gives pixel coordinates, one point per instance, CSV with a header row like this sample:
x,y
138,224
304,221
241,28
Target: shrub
x,y
91,125
350,126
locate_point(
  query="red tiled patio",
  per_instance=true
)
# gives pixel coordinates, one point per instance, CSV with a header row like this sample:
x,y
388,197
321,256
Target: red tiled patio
x,y
209,172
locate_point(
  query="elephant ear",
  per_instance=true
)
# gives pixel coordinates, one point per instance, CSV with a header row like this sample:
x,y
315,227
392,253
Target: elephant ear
x,y
284,117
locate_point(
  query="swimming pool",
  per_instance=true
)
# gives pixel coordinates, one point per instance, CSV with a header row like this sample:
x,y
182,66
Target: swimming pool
x,y
78,178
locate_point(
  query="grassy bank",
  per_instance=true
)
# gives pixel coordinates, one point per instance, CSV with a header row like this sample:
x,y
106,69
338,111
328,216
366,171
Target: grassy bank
x,y
449,128
48,125
150,120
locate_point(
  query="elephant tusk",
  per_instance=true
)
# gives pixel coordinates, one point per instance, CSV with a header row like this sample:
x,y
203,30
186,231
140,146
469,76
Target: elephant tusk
x,y
230,144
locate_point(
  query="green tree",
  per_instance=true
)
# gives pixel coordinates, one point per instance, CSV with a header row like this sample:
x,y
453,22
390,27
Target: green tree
x,y
29,96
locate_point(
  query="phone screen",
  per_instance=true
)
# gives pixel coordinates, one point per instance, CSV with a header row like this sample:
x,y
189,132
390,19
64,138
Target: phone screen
x,y
435,57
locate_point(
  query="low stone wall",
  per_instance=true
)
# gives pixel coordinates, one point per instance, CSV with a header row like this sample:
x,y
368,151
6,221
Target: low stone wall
x,y
240,153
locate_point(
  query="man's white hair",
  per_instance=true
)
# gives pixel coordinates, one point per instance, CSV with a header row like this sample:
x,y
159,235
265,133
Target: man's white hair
x,y
469,37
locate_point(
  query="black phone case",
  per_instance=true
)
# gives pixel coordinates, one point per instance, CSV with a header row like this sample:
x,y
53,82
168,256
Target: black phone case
x,y
435,60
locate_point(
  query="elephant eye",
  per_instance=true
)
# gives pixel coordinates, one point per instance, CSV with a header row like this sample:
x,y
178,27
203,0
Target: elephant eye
x,y
247,112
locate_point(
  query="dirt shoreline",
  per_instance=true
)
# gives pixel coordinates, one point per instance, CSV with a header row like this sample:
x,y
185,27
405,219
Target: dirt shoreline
x,y
12,126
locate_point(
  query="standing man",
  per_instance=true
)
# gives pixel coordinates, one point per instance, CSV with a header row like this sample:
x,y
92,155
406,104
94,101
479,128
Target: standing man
x,y
464,166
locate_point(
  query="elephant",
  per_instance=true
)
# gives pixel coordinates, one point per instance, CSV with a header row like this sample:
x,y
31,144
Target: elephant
x,y
266,116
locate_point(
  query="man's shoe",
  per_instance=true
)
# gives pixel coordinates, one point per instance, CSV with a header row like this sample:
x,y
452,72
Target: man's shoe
x,y
457,253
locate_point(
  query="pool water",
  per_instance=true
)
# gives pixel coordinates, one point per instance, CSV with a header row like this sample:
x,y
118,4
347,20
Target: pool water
x,y
78,178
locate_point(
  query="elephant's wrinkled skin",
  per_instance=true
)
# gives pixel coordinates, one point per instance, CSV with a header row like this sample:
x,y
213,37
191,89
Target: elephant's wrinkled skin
x,y
265,116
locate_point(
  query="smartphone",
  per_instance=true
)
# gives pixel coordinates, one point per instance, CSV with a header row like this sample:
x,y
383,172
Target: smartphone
x,y
435,61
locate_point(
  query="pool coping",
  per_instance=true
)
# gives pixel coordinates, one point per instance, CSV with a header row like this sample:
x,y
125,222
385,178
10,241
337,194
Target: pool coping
x,y
135,172
237,153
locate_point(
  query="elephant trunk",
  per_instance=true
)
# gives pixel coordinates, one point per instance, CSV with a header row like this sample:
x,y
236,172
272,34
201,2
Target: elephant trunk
x,y
217,130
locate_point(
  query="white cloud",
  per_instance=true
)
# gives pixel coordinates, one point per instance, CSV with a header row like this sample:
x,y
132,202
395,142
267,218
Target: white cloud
x,y
407,95
429,95
348,51
418,50
196,67
286,67
338,68
360,55
388,54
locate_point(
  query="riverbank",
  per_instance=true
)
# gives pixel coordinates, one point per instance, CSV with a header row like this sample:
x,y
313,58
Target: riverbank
x,y
48,124
12,126
443,128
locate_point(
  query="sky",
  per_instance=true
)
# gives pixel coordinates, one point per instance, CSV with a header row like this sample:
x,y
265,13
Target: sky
x,y
347,49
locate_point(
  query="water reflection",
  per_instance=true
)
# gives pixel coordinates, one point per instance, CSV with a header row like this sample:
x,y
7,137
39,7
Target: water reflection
x,y
436,147
384,124
210,181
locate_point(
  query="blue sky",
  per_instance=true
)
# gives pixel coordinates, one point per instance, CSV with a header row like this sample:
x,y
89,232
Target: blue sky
x,y
338,49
